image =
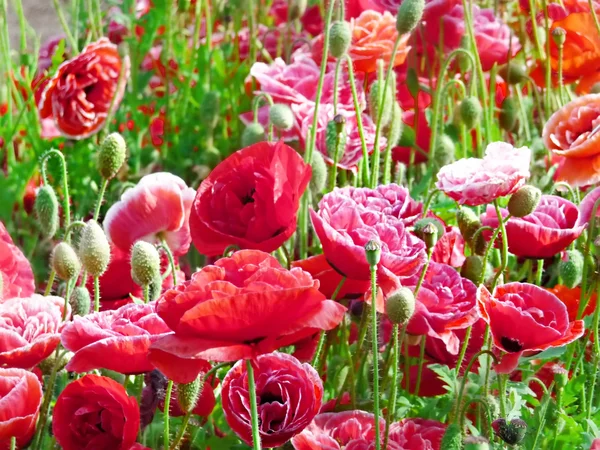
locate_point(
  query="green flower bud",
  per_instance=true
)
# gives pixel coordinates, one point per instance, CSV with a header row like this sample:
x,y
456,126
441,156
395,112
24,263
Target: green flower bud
x,y
65,262
508,114
571,269
512,432
188,394
296,9
335,137
524,201
561,376
444,151
80,301
464,62
46,211
47,365
281,117
452,439
340,37
421,227
409,15
559,35
210,109
400,306
595,88
319,173
470,112
478,243
468,223
472,268
94,249
395,127
430,235
145,263
253,134
111,155
373,252
385,99
476,443
513,73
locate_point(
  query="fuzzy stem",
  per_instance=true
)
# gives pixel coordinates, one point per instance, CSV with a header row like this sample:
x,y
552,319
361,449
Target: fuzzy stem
x,y
65,26
100,199
394,392
375,347
166,437
96,294
464,380
253,406
182,430
167,250
323,334
66,200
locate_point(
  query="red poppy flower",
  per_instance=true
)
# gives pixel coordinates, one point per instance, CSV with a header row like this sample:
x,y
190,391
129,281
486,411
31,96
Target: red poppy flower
x,y
241,307
125,334
15,271
311,20
29,329
335,431
571,297
450,248
250,200
289,396
81,92
95,412
550,229
21,394
416,434
525,318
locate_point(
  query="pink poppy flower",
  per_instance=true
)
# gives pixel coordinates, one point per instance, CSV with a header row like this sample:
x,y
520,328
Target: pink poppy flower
x,y
125,334
348,218
450,248
446,302
157,208
30,329
550,229
473,181
525,318
15,271
595,444
417,434
311,20
586,207
433,8
348,430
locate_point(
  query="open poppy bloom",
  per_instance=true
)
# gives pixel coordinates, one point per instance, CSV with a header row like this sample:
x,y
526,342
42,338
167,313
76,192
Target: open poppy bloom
x,y
416,434
15,271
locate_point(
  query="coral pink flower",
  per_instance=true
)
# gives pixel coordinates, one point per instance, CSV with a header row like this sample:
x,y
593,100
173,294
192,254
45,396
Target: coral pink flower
x,y
289,396
241,307
348,430
157,208
525,318
29,329
15,271
550,229
80,94
416,434
473,181
125,334
348,218
446,302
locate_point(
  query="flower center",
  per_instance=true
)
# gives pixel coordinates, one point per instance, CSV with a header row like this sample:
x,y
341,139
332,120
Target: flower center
x,y
511,345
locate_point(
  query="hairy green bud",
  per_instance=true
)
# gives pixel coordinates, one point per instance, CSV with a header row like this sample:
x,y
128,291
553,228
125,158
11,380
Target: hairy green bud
x,y
65,262
524,201
46,211
384,99
319,173
111,156
470,112
145,263
571,269
281,116
508,114
188,394
80,301
94,249
452,439
340,37
400,306
409,15
253,134
468,223
210,109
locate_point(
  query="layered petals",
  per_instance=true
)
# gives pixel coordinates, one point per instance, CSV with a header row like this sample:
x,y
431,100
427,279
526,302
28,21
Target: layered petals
x,y
15,271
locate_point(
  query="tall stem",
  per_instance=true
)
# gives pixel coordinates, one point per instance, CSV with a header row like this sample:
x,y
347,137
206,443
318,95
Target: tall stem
x,y
375,347
46,404
65,26
504,252
323,334
66,198
96,294
253,406
394,392
167,250
186,420
100,199
166,434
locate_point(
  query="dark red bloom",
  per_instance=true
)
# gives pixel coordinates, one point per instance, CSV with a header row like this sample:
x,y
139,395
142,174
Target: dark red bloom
x,y
288,392
15,270
250,200
241,307
95,412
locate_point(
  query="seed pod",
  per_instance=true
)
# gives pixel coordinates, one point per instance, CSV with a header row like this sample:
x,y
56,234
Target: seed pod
x,y
472,268
210,109
524,201
513,73
319,173
111,155
145,263
468,223
387,102
571,270
253,134
94,249
65,262
508,114
476,443
296,9
559,35
281,117
444,151
80,301
512,432
340,37
470,112
409,15
373,252
46,211
452,439
188,394
400,306
421,224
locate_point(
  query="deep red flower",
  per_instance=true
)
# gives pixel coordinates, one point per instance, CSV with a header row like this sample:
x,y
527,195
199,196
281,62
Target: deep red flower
x,y
289,396
550,229
125,334
525,318
21,394
250,200
241,307
348,218
29,329
15,271
79,95
416,434
311,20
95,412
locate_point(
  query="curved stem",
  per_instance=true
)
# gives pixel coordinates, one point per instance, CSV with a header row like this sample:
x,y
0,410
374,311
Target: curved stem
x,y
100,199
253,406
50,283
166,437
395,361
375,348
77,223
66,199
323,334
463,349
167,250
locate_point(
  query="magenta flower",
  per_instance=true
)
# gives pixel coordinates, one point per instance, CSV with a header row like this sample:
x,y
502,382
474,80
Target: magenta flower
x,y
15,271
473,181
416,434
586,207
450,248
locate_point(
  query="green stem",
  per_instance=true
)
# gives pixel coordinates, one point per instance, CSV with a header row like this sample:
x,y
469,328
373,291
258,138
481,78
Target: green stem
x,y
47,398
166,434
323,334
421,358
96,294
463,349
90,11
394,392
66,199
504,252
50,283
65,26
13,443
502,394
464,380
70,286
545,403
375,348
253,406
167,250
100,198
539,272
146,289
182,430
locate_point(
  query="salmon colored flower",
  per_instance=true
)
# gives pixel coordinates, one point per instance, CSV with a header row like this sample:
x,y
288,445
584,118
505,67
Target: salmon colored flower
x,y
571,297
157,209
289,396
15,271
80,94
241,307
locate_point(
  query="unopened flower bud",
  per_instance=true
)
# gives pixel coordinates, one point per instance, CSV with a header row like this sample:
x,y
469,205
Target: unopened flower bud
x,y
468,223
561,376
444,151
476,443
373,252
378,98
400,306
210,109
188,394
80,301
296,9
253,134
508,114
478,243
281,116
395,127
429,229
47,365
46,211
559,35
319,173
571,269
335,137
513,73
430,235
470,112
65,262
145,263
524,201
340,37
595,89
512,432
409,15
452,439
111,155
340,123
94,249
472,268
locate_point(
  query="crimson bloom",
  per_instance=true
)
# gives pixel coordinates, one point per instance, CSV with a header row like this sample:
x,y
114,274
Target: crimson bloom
x,y
80,94
474,181
125,334
29,329
250,200
241,307
157,208
288,393
416,434
525,318
550,229
16,276
95,412
21,394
